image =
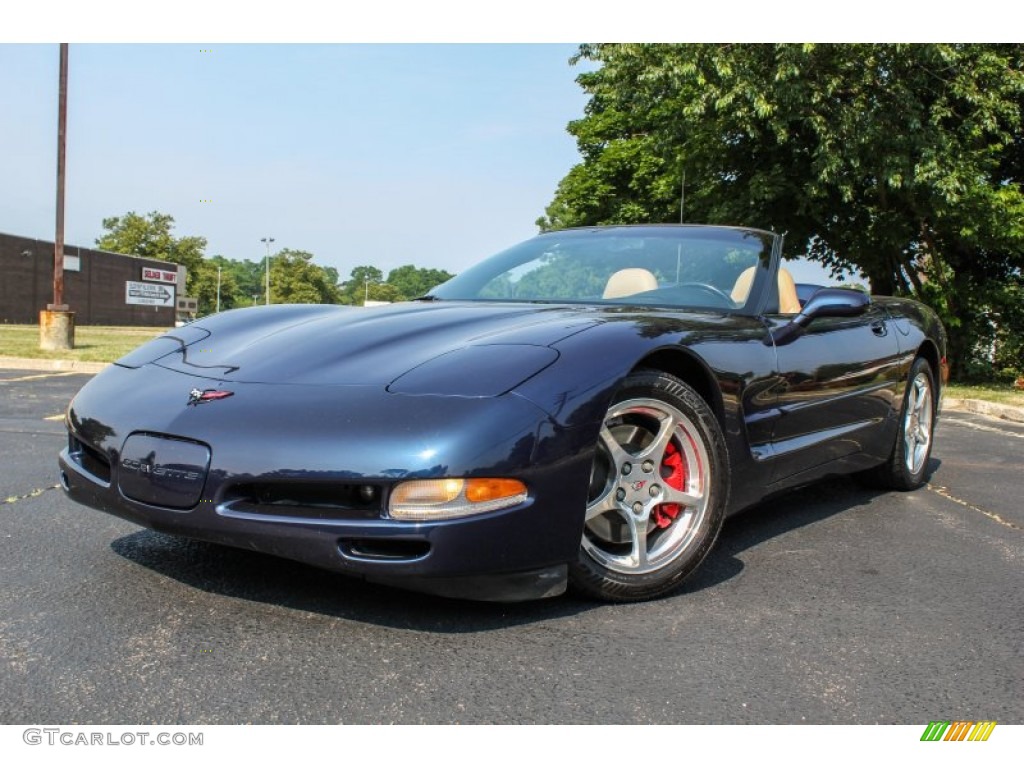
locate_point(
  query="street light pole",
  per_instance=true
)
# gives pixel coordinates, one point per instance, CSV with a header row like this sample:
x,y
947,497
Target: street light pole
x,y
267,241
218,287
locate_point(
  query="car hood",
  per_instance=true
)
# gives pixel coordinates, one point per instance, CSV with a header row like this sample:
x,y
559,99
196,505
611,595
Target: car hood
x,y
358,346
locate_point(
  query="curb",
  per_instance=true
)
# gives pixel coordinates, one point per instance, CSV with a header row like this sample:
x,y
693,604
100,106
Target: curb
x,y
985,408
36,364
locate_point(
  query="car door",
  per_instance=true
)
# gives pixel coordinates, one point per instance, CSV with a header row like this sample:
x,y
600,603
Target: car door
x,y
835,392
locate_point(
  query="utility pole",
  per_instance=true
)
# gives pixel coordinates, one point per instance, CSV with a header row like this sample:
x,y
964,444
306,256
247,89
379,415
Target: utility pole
x,y
56,323
218,287
62,129
267,241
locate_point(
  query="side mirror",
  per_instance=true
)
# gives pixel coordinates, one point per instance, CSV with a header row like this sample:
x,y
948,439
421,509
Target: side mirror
x,y
826,302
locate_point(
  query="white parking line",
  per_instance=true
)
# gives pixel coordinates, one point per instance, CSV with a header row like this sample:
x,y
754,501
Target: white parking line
x,y
41,376
982,427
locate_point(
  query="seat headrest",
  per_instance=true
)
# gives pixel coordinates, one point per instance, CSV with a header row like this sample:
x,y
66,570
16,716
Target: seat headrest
x,y
627,282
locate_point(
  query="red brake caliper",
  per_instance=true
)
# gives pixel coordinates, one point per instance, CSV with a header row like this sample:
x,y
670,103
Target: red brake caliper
x,y
673,472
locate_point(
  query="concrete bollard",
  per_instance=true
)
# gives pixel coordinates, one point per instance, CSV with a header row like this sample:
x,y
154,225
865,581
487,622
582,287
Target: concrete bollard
x,y
56,330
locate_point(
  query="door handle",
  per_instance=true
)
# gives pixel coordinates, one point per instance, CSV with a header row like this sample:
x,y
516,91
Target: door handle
x,y
878,328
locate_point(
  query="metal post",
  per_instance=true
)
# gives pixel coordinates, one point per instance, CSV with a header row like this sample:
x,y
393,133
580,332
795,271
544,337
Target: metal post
x,y
62,125
267,241
218,287
56,322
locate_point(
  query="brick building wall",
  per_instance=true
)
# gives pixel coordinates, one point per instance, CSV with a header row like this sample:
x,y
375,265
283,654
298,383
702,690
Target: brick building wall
x,y
95,293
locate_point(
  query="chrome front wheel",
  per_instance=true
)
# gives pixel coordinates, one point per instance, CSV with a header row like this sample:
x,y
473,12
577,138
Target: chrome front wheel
x,y
658,488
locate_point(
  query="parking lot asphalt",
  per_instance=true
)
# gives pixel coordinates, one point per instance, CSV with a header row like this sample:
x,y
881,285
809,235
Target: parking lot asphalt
x,y
832,604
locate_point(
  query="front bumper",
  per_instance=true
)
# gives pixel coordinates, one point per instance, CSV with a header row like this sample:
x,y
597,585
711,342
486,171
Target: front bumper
x,y
283,436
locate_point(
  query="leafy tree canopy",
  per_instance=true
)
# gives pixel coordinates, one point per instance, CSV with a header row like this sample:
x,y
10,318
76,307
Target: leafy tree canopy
x,y
402,283
359,284
412,282
150,236
903,161
208,281
295,279
247,277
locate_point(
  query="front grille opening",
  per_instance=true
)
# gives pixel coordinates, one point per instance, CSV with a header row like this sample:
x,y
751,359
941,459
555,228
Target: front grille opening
x,y
384,549
89,459
321,500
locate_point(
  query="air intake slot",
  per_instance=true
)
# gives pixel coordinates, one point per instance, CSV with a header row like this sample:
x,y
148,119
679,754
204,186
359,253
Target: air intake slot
x,y
318,500
390,550
89,459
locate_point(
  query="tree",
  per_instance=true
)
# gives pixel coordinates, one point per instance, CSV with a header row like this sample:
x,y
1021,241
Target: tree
x,y
385,292
150,236
360,282
402,284
248,277
412,282
295,279
332,276
206,284
903,161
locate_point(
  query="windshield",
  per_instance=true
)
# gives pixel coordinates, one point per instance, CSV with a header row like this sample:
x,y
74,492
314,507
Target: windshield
x,y
685,266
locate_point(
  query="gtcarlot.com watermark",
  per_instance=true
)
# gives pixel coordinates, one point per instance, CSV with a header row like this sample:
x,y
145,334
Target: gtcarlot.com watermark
x,y
75,738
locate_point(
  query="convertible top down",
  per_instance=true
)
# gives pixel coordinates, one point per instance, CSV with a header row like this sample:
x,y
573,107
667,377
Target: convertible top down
x,y
582,409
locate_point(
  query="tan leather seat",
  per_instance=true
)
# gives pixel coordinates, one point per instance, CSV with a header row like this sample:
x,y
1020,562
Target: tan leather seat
x,y
741,290
627,282
789,303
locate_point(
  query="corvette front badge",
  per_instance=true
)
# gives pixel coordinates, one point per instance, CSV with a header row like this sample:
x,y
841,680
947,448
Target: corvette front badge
x,y
198,397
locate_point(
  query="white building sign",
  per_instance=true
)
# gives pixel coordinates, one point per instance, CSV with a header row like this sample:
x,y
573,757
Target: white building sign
x,y
148,293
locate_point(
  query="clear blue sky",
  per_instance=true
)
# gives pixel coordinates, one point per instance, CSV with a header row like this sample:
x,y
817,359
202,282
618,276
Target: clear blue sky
x,y
361,154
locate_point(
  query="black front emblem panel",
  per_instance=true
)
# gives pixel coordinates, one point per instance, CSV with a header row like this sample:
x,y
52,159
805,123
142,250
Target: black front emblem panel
x,y
163,471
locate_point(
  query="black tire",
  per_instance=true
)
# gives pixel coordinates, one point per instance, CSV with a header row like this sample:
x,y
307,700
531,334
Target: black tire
x,y
907,465
658,492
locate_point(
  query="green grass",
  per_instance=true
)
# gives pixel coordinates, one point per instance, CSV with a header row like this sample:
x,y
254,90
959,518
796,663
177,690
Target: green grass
x,y
1004,394
93,343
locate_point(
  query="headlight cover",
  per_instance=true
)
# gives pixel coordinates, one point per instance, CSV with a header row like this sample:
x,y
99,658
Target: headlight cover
x,y
447,498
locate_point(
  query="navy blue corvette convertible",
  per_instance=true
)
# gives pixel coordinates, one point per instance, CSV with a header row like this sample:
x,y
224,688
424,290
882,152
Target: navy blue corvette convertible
x,y
583,409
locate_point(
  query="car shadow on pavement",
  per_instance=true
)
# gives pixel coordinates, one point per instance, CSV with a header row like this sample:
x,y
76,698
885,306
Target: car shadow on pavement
x,y
779,515
267,579
258,577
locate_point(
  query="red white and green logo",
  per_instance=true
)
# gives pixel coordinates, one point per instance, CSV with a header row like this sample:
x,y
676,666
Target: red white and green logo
x,y
958,730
